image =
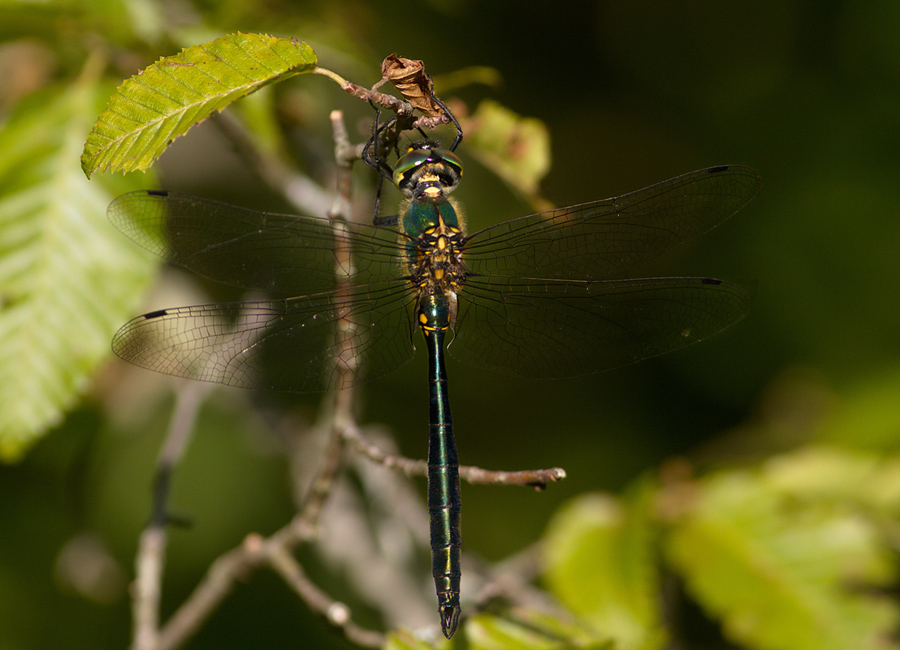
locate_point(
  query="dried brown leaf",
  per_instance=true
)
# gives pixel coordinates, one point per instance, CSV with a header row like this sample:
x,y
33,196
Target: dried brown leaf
x,y
409,78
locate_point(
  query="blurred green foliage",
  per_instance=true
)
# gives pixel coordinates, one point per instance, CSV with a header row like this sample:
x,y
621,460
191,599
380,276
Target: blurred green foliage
x,y
631,93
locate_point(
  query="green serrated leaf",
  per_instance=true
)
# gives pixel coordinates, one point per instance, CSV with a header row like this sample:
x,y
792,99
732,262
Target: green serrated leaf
x,y
166,99
600,563
782,574
67,279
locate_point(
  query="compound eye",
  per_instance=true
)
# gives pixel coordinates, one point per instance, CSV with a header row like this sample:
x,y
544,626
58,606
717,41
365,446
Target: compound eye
x,y
408,163
448,157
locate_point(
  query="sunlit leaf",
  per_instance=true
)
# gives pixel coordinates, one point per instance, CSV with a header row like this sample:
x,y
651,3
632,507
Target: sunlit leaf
x,y
166,99
781,573
67,279
867,414
600,564
487,632
514,147
405,641
865,480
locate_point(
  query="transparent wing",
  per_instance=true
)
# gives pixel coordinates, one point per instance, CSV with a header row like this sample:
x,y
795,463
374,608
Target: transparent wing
x,y
306,344
604,238
559,328
283,255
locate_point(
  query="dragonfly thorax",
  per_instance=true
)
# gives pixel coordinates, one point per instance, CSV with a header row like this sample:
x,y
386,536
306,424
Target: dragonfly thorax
x,y
436,260
433,233
434,237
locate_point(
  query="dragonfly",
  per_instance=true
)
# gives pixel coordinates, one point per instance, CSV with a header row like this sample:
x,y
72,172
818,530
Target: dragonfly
x,y
539,296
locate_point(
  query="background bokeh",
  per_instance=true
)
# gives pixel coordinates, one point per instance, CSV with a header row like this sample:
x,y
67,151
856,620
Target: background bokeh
x,y
806,92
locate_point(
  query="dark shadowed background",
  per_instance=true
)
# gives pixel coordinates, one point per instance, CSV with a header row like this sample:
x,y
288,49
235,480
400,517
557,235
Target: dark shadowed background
x,y
805,92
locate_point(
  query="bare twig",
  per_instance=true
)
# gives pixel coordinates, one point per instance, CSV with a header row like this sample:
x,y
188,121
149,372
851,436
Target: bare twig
x,y
375,453
335,613
346,365
274,552
300,190
206,597
403,109
510,579
146,591
150,558
256,551
537,478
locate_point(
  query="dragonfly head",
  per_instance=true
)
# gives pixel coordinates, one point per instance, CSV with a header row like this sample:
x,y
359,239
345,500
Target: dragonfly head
x,y
427,170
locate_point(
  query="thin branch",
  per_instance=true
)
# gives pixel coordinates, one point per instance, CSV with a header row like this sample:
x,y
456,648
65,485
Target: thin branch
x,y
510,581
235,565
190,398
346,364
218,582
335,613
537,478
375,453
255,551
371,95
302,192
146,591
404,110
150,559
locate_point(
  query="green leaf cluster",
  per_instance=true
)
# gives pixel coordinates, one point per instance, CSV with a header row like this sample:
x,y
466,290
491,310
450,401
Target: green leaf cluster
x,y
792,555
65,280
